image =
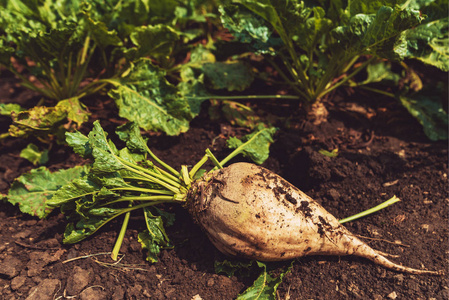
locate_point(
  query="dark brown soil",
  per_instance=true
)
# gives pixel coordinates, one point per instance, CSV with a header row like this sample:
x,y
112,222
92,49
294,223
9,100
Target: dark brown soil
x,y
381,152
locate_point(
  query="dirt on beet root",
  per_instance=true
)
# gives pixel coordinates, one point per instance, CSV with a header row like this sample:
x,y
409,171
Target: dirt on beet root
x,y
380,154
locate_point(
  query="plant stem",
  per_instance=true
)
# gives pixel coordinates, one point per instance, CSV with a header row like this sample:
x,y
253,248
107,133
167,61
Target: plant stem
x,y
293,85
198,165
143,190
383,205
154,177
159,199
121,235
355,72
246,97
388,94
214,159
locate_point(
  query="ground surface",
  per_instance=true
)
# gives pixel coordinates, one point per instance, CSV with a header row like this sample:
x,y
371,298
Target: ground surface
x,y
382,152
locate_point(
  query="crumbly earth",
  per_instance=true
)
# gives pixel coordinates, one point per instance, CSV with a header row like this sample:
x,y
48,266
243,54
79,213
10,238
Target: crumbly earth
x,y
381,152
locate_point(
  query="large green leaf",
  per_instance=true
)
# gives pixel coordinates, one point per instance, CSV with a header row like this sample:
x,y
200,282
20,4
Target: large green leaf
x,y
32,190
101,35
80,143
429,43
147,98
428,110
370,7
155,41
103,151
248,28
79,187
378,34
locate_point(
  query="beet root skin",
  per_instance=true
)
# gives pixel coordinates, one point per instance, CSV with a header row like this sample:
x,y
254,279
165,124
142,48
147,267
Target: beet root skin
x,y
251,212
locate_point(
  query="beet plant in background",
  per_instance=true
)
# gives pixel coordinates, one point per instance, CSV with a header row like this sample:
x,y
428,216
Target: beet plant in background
x,y
67,50
318,46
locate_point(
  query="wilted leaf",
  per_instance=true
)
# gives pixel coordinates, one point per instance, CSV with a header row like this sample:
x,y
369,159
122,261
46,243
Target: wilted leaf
x,y
42,119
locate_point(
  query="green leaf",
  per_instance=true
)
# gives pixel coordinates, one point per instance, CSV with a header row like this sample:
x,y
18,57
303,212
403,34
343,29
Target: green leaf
x,y
380,71
154,237
103,151
248,28
264,287
80,143
192,84
32,154
84,228
7,108
429,43
31,191
130,134
258,150
156,41
233,76
231,267
144,96
236,113
6,52
370,7
78,187
426,107
378,34
101,35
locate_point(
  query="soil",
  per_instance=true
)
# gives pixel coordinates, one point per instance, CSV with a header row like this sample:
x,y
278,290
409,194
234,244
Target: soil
x,y
382,151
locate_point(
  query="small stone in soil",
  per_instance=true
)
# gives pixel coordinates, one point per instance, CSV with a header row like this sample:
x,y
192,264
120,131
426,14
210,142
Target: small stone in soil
x,y
17,282
38,260
210,282
77,281
10,267
119,293
45,290
93,293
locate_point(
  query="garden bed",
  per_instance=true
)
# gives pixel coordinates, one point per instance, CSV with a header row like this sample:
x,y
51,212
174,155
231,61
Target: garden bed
x,y
382,152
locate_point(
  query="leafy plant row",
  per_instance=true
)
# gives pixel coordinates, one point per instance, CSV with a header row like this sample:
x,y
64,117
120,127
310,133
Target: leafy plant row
x,y
157,60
